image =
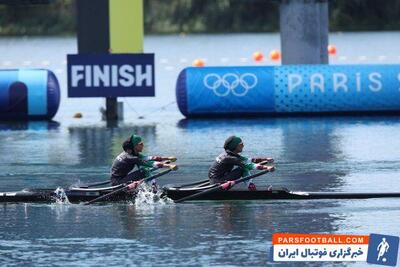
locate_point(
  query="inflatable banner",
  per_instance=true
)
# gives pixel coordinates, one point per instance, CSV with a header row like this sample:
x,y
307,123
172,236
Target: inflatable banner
x,y
304,89
27,94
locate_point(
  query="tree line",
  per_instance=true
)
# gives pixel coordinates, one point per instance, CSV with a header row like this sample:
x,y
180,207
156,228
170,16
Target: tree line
x,y
58,17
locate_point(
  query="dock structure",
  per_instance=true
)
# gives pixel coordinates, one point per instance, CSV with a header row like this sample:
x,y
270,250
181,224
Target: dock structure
x,y
304,29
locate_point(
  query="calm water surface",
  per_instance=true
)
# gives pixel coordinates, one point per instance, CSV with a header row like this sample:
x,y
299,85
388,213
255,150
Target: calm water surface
x,y
349,154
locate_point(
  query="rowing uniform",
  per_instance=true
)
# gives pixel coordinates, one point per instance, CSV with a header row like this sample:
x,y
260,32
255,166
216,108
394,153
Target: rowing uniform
x,y
124,163
230,166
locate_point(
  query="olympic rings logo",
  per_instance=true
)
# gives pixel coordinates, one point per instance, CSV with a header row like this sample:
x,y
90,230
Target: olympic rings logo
x,y
239,85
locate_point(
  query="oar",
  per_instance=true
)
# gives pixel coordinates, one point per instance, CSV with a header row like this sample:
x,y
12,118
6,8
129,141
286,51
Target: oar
x,y
207,180
225,186
96,184
132,185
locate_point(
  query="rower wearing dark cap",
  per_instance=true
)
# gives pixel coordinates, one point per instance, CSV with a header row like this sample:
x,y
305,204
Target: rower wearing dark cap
x,y
123,168
230,165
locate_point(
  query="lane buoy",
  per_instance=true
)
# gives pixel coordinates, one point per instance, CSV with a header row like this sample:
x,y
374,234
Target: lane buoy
x,y
275,55
258,56
332,50
198,63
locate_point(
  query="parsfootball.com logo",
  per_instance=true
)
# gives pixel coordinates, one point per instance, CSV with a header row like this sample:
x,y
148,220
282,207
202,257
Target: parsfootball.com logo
x,y
237,84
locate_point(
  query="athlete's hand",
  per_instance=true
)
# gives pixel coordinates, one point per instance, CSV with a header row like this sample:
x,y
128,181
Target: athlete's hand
x,y
227,185
173,167
252,187
263,161
134,185
269,160
269,168
172,159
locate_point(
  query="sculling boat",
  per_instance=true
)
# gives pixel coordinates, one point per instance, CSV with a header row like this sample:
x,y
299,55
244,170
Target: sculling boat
x,y
80,194
179,192
74,195
88,194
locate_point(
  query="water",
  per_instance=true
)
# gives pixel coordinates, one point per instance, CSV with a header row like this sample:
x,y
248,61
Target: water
x,y
352,154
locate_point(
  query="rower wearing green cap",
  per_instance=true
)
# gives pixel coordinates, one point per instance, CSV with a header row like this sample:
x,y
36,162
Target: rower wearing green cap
x,y
123,168
230,165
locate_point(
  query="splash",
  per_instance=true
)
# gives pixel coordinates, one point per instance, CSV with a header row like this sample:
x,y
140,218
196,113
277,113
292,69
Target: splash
x,y
78,183
60,197
148,196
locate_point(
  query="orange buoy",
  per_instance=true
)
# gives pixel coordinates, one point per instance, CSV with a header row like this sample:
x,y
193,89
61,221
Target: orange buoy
x,y
275,55
332,50
198,63
258,56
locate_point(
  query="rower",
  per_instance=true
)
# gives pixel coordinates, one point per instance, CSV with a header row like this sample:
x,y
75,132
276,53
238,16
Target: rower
x,y
230,165
123,168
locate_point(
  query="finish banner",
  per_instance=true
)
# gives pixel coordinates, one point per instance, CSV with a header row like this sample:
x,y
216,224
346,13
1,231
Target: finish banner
x,y
110,75
373,248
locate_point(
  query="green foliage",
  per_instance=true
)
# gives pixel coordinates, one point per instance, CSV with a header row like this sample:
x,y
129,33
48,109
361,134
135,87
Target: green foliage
x,y
363,15
200,16
197,16
57,17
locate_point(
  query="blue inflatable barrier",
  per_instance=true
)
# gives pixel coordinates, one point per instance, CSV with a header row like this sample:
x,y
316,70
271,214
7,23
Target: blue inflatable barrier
x,y
28,94
303,89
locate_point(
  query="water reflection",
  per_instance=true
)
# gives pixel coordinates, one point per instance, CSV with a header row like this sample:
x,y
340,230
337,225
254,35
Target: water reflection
x,y
200,233
220,219
218,228
48,158
28,125
100,145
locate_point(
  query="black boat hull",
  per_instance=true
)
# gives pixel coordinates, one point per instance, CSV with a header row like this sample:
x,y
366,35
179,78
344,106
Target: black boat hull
x,y
272,195
78,195
74,196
